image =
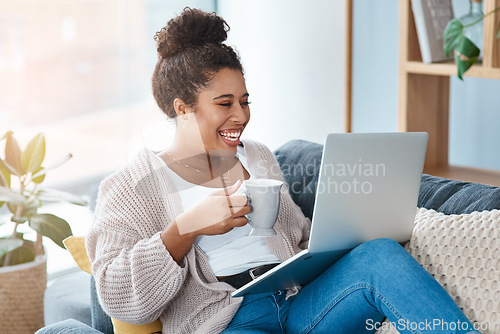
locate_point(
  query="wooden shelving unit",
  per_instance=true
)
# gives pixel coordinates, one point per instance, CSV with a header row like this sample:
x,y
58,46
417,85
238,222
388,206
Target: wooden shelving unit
x,y
424,91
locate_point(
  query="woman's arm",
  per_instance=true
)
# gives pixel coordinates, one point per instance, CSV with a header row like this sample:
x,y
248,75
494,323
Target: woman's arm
x,y
176,243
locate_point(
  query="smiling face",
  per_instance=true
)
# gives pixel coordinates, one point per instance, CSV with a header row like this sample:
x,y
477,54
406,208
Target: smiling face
x,y
222,112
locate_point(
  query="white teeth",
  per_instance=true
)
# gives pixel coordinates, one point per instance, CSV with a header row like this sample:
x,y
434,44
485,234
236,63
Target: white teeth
x,y
232,136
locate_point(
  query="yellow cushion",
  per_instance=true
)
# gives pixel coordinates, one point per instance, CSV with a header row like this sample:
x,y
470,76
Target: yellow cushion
x,y
76,247
120,327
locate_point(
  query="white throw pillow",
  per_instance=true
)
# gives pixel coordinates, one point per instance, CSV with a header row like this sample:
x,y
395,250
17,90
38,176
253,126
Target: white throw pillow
x,y
462,252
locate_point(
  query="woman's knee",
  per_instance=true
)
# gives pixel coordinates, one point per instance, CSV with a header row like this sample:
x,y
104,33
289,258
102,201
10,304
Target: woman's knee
x,y
381,245
381,253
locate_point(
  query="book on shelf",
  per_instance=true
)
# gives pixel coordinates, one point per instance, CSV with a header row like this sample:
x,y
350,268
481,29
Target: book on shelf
x,y
431,18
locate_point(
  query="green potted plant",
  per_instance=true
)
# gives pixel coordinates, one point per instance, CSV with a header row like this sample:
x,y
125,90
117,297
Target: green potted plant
x,y
465,51
23,273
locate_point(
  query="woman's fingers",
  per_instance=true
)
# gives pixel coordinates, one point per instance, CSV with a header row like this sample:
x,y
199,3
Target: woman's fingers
x,y
245,210
239,221
237,201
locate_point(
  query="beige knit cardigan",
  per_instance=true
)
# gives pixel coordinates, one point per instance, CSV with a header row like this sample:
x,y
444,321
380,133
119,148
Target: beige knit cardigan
x,y
136,278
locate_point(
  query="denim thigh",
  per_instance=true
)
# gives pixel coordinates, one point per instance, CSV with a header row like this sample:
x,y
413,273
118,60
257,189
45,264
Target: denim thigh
x,y
375,280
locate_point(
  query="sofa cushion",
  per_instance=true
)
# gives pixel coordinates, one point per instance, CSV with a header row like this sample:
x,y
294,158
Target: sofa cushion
x,y
76,247
451,196
300,161
63,301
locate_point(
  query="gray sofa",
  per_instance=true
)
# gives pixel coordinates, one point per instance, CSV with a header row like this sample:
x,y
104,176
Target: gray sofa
x,y
450,204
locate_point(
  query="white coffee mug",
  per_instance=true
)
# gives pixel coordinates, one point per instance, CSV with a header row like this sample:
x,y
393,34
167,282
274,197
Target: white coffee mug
x,y
264,198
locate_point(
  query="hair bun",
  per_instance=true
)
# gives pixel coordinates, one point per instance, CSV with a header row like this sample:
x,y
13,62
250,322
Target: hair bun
x,y
190,29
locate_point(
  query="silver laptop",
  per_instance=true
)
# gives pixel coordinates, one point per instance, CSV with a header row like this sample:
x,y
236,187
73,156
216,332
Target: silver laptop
x,y
367,189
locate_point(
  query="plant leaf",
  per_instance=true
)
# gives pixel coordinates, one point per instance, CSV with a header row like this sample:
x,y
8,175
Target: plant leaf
x,y
60,161
4,181
452,34
43,171
498,34
32,157
25,212
7,168
19,220
51,226
7,134
8,245
12,208
21,255
9,195
466,53
52,195
5,175
13,154
39,175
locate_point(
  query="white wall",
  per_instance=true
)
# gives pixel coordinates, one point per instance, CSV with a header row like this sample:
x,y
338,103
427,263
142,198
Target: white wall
x,y
293,55
375,66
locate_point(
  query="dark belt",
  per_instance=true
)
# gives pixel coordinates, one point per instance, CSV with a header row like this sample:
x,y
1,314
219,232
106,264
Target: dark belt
x,y
238,280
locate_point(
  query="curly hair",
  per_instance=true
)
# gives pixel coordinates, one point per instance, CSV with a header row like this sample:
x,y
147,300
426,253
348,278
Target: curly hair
x,y
190,52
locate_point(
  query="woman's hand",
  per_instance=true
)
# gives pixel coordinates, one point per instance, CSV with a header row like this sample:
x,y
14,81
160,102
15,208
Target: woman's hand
x,y
217,213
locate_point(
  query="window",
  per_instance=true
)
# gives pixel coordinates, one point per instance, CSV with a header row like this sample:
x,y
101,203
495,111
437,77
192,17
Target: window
x,y
79,71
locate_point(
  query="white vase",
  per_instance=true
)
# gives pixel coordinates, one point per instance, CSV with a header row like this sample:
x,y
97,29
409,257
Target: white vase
x,y
474,32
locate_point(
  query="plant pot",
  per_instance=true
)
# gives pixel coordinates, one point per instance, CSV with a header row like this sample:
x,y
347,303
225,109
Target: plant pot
x,y
22,288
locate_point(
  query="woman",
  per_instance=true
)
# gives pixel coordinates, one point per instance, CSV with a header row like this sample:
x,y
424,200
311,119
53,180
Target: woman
x,y
170,237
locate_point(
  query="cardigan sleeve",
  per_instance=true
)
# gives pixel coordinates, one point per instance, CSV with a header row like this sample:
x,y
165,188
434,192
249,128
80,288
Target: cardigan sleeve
x,y
135,274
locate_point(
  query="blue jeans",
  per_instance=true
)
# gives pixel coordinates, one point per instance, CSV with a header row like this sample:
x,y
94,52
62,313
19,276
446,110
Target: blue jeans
x,y
375,280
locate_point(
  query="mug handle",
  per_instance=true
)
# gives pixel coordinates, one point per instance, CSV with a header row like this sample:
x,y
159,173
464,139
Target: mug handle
x,y
249,203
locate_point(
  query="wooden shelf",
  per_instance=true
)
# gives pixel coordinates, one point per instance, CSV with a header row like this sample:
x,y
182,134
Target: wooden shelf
x,y
424,89
450,69
477,175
